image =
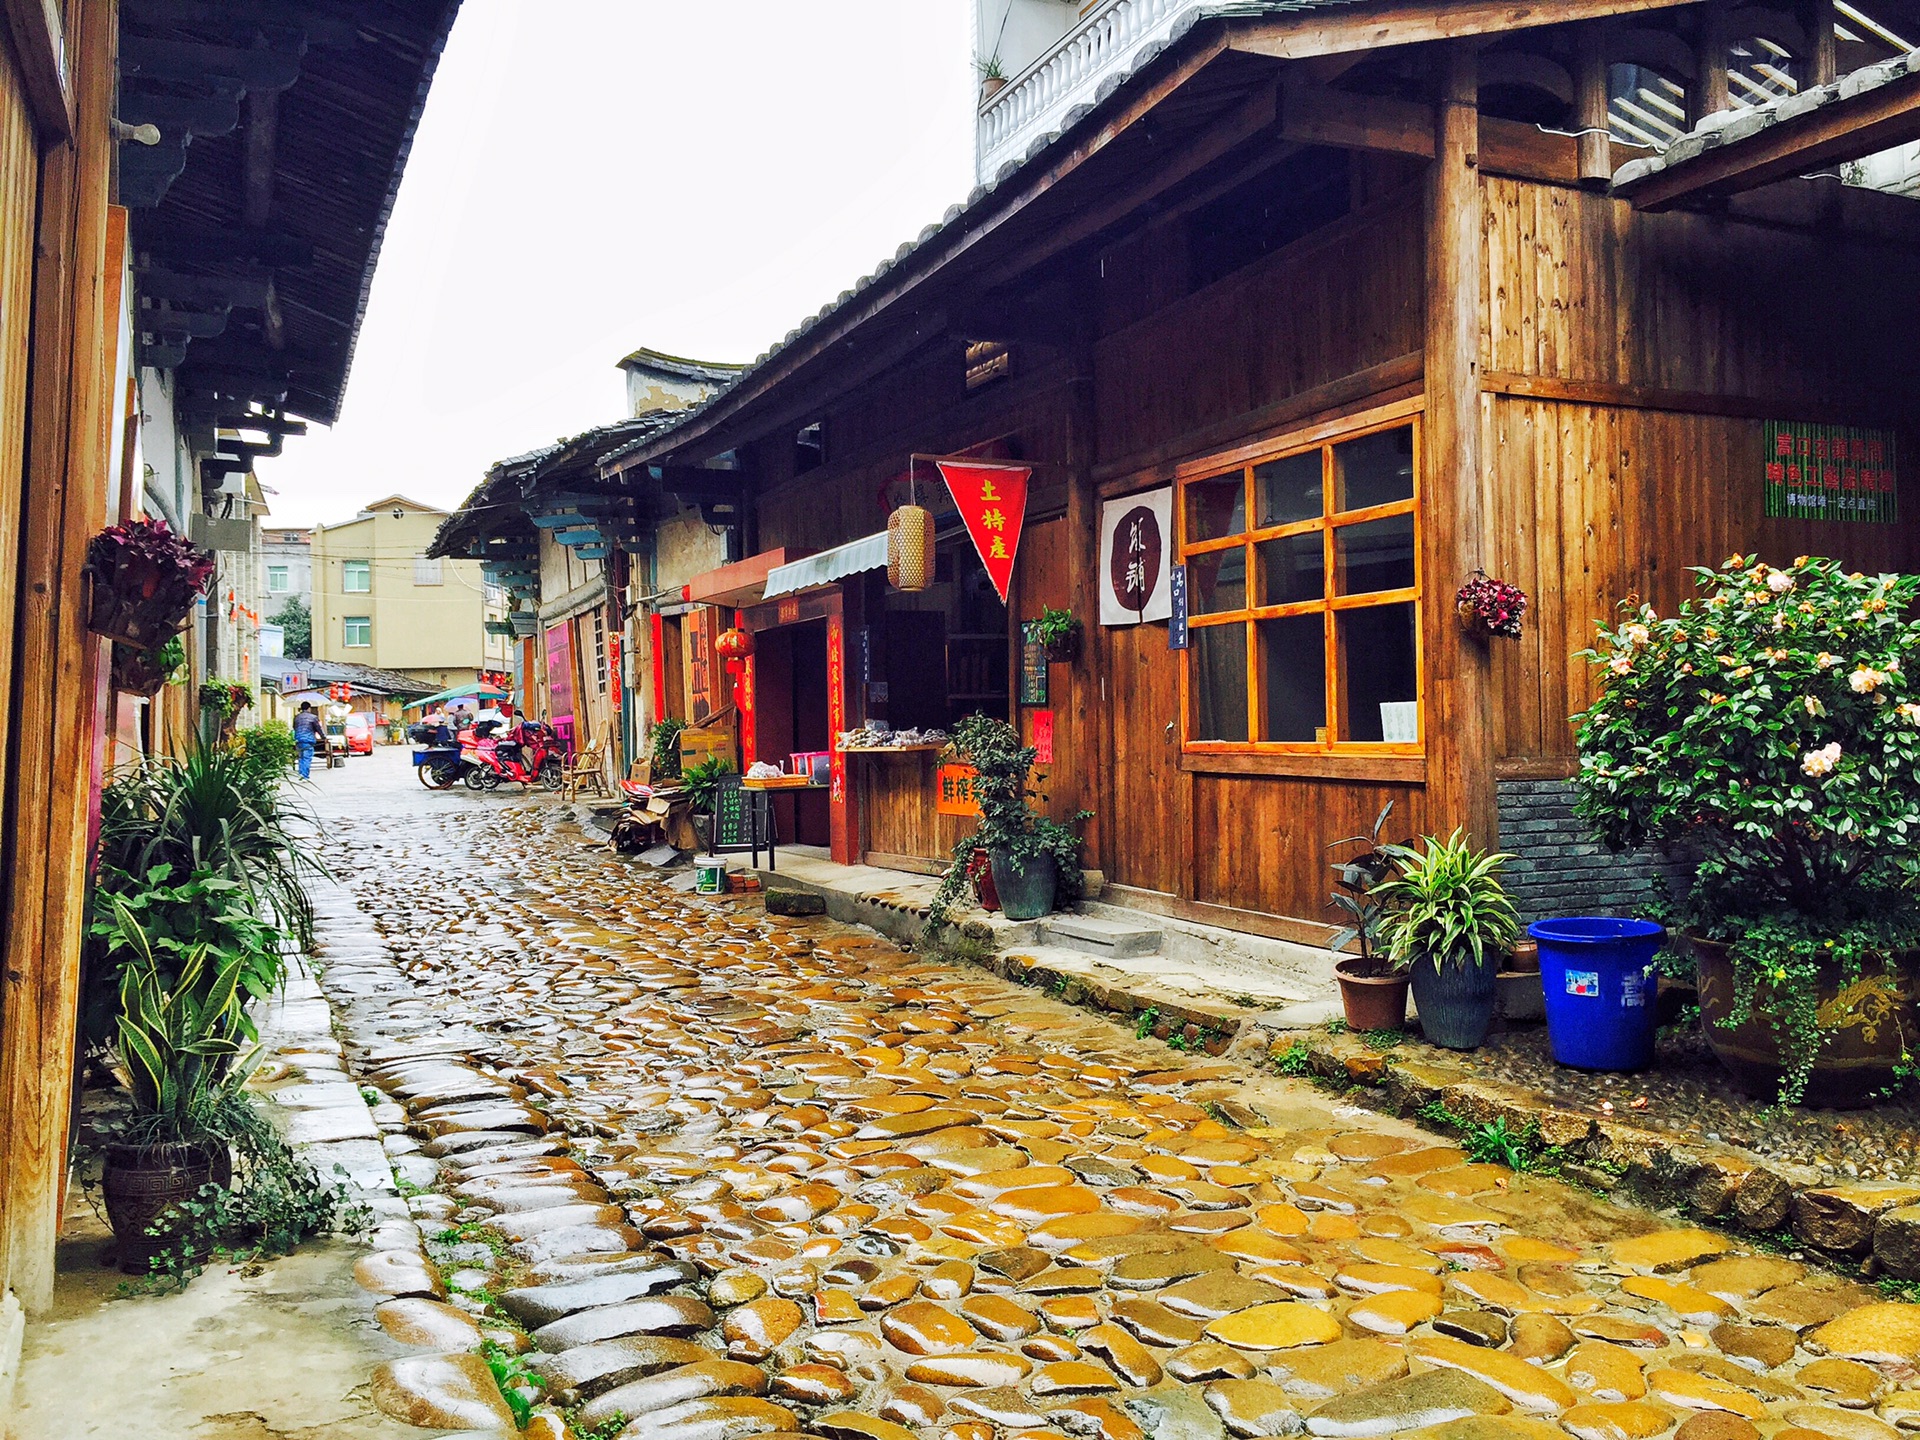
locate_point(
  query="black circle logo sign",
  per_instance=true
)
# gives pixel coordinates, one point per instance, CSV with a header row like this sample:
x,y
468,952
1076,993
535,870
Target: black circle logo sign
x,y
1135,567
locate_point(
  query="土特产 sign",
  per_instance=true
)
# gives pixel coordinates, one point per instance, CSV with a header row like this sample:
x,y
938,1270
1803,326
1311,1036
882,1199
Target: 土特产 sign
x,y
992,499
1830,472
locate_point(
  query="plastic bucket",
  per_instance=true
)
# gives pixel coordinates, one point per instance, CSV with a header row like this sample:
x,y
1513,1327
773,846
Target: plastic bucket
x,y
1601,983
709,877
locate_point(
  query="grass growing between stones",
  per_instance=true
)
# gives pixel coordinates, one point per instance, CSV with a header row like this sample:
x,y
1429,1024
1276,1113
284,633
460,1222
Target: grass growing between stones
x,y
1494,1142
1296,1061
515,1380
606,1430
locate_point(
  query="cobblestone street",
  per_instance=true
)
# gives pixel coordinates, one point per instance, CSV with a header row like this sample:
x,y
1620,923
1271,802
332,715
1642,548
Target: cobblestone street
x,y
711,1174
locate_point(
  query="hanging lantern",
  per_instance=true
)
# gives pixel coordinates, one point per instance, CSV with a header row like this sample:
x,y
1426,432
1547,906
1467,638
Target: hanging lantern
x,y
734,644
910,548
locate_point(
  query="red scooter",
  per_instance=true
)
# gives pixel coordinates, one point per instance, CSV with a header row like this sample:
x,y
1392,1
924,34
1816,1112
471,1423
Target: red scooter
x,y
527,756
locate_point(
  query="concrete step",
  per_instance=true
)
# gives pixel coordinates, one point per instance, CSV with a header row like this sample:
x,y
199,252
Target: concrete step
x,y
1112,939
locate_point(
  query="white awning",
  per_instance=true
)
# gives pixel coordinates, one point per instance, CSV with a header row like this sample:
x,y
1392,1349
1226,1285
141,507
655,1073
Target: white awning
x,y
829,565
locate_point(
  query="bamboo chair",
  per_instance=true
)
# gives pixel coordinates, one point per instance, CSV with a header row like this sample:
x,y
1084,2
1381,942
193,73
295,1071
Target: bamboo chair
x,y
585,771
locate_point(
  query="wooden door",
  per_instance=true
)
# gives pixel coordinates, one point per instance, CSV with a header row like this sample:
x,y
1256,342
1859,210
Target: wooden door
x,y
1147,836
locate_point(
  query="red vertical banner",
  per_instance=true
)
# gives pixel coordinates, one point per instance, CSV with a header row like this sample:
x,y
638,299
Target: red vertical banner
x,y
992,499
657,634
843,840
749,731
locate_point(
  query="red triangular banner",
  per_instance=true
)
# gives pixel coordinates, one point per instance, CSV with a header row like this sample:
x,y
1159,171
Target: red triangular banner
x,y
992,499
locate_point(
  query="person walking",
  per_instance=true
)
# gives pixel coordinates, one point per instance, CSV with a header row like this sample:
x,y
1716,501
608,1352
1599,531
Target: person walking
x,y
306,737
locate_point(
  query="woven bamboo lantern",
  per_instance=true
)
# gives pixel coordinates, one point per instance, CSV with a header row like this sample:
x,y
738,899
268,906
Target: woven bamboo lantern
x,y
910,548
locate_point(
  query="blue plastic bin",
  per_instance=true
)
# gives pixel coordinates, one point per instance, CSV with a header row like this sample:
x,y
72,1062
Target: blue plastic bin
x,y
1601,983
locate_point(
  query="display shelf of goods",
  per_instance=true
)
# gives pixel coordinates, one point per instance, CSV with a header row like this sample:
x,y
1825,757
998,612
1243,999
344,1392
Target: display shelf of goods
x,y
144,579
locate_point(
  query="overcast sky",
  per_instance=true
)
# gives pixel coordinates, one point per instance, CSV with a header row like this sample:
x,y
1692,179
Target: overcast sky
x,y
594,176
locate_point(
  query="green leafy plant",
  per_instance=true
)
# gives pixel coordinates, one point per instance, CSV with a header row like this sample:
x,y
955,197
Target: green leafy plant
x,y
606,1431
1145,1021
703,782
268,749
1494,1142
1295,1060
296,629
1008,825
1356,885
1446,906
515,1378
225,698
210,811
1058,630
663,747
990,68
1767,730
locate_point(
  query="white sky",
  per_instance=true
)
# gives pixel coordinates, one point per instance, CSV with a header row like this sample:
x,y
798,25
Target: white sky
x,y
594,176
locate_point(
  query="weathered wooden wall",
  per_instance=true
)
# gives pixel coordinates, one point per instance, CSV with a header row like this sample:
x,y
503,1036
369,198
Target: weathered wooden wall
x,y
1633,360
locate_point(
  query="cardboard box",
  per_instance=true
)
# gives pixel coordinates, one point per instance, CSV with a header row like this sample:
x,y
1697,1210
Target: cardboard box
x,y
699,745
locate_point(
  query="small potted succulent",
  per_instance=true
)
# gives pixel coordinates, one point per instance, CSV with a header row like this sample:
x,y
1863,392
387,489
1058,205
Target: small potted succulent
x,y
1450,923
144,579
1490,607
1373,990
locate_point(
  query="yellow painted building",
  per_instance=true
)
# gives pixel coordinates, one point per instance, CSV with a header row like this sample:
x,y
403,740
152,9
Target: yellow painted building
x,y
379,600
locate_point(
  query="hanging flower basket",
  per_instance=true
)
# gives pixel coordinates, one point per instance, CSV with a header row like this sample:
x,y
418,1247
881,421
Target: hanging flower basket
x,y
1490,607
144,672
144,580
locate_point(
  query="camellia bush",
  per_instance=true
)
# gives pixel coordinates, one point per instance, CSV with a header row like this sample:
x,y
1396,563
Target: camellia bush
x,y
1770,730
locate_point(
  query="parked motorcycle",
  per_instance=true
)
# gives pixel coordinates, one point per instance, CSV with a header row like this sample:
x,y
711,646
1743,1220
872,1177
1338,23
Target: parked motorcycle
x,y
523,756
436,756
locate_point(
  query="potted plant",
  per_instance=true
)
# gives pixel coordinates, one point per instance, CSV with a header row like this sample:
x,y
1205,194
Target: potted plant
x,y
1489,607
223,700
663,742
138,671
1767,733
1034,861
1373,990
993,76
143,580
702,784
1449,923
181,1033
1059,631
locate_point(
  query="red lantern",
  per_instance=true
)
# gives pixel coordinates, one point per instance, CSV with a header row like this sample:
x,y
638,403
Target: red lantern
x,y
734,644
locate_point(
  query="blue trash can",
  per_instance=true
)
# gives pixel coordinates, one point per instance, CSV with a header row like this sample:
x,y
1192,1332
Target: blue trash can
x,y
1601,983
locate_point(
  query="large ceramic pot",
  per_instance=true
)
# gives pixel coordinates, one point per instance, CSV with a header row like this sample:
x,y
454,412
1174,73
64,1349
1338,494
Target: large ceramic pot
x,y
1455,1001
1025,893
141,1182
1865,1027
1373,995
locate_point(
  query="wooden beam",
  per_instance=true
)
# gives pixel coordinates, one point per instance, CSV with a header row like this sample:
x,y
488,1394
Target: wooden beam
x,y
1840,130
256,177
1710,93
1590,108
1312,33
56,674
1457,679
39,43
1823,57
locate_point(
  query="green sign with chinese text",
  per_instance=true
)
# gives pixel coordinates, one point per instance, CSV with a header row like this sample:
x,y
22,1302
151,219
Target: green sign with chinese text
x,y
1830,472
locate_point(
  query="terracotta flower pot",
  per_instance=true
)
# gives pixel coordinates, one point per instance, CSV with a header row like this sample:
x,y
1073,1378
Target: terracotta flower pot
x,y
1373,996
1865,1027
142,1182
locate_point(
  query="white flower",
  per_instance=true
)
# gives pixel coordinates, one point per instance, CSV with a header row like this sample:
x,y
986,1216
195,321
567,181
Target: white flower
x,y
1635,634
1779,582
1866,680
1814,707
1826,661
1908,712
1620,664
1821,762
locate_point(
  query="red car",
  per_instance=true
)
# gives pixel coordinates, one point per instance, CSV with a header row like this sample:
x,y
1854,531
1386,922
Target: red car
x,y
360,732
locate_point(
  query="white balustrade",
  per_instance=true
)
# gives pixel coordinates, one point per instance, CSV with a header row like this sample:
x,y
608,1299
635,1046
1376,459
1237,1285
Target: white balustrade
x,y
1036,101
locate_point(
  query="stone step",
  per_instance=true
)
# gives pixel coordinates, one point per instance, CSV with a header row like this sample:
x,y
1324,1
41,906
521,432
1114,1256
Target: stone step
x,y
1113,939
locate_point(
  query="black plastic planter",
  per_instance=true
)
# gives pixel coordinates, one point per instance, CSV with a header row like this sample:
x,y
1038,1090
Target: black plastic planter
x,y
1455,1001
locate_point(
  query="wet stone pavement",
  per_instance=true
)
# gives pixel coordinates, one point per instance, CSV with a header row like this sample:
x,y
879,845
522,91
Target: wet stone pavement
x,y
712,1175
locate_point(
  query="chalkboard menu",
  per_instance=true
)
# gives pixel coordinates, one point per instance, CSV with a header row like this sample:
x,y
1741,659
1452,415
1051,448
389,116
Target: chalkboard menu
x,y
732,816
1033,665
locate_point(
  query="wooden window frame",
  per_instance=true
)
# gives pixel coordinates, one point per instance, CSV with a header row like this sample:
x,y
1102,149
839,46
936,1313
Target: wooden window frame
x,y
1346,758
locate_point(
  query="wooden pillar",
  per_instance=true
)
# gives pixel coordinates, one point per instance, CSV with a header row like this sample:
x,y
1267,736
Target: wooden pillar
x,y
1458,699
1823,56
1083,735
1591,112
56,670
1714,53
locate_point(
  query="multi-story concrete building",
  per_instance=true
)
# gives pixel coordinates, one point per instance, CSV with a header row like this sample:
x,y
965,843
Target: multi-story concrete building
x,y
286,555
379,599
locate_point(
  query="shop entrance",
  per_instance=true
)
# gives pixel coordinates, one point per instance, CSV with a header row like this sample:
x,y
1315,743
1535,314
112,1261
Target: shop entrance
x,y
790,717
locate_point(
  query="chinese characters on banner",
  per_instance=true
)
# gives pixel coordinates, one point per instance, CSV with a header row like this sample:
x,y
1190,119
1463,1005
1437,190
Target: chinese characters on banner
x,y
1136,549
1042,721
953,793
992,499
1830,472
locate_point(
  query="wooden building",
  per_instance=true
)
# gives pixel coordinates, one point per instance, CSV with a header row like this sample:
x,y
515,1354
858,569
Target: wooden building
x,y
191,204
1343,293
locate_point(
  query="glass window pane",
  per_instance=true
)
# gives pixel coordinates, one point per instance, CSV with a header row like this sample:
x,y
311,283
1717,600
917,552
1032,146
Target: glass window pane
x,y
1379,673
1217,581
1217,508
1377,555
1219,681
1293,660
1293,568
1374,470
1290,489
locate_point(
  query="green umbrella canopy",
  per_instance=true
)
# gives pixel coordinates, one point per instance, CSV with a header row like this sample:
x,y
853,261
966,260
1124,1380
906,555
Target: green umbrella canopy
x,y
460,692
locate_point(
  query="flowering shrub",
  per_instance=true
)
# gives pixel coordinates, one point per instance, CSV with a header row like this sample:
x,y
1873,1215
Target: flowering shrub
x,y
1493,605
1770,728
